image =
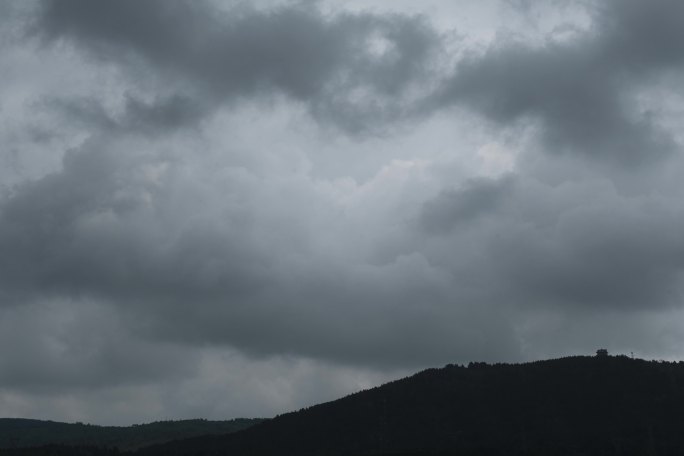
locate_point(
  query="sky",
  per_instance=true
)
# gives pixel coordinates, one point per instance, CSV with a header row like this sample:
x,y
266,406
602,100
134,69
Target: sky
x,y
222,209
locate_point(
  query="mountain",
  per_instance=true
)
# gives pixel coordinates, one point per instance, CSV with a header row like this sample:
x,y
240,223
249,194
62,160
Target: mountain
x,y
17,432
600,405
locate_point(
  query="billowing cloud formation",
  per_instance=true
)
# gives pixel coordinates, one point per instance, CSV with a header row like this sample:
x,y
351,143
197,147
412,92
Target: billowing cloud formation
x,y
343,67
580,90
202,192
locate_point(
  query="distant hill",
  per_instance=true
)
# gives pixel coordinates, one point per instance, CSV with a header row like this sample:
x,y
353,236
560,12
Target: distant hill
x,y
17,432
570,406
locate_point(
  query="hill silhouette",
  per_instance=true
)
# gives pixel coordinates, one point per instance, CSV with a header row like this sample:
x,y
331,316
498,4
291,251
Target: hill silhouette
x,y
18,432
570,406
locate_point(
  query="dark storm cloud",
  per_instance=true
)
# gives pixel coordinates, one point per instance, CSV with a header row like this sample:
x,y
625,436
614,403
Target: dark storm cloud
x,y
175,208
351,69
106,227
641,37
138,116
92,228
70,346
361,70
549,246
100,230
478,197
580,90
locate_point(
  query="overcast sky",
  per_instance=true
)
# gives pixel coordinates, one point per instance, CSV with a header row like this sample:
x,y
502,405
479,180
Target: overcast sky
x,y
220,209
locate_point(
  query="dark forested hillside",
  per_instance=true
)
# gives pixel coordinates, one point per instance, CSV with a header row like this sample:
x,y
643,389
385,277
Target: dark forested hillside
x,y
16,432
571,406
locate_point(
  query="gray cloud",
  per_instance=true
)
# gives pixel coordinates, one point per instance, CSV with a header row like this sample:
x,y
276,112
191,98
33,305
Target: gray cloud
x,y
567,246
148,117
580,90
172,227
100,230
352,69
641,38
478,197
68,346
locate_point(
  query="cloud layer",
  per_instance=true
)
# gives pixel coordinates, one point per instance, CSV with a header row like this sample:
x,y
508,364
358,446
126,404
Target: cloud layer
x,y
353,69
277,204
